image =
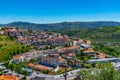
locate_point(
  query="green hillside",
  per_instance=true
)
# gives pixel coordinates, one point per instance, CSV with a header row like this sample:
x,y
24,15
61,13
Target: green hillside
x,y
8,48
63,25
101,34
105,39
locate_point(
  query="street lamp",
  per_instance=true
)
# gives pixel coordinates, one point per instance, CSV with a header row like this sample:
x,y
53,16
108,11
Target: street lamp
x,y
65,69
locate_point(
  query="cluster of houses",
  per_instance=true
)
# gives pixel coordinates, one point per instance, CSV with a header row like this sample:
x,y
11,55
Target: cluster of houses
x,y
53,59
26,56
65,51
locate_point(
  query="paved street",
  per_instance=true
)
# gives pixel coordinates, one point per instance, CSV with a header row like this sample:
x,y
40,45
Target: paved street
x,y
71,74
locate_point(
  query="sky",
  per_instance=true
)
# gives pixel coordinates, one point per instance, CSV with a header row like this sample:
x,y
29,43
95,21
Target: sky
x,y
53,11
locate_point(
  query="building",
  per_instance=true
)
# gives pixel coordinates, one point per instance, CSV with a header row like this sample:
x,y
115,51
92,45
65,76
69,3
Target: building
x,y
26,56
58,41
104,60
78,42
8,77
18,58
39,67
100,56
75,63
51,61
71,49
88,42
90,52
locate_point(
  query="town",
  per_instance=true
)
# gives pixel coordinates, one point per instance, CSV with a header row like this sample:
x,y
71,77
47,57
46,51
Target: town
x,y
52,56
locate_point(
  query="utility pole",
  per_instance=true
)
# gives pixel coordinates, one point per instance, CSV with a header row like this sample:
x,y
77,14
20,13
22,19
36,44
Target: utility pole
x,y
65,69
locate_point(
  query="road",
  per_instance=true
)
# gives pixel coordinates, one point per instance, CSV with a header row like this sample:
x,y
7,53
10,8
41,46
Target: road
x,y
70,74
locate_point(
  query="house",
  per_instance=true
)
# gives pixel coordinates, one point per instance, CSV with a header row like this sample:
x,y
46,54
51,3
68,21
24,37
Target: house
x,y
8,77
51,61
90,52
26,56
18,58
100,55
60,61
78,42
58,41
32,54
83,44
71,49
39,67
88,42
75,63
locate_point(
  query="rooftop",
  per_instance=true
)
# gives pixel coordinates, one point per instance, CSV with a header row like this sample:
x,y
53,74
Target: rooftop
x,y
8,77
90,50
17,57
61,59
41,67
72,47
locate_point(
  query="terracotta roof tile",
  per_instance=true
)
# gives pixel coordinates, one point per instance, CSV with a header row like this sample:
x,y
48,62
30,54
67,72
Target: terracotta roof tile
x,y
41,67
8,77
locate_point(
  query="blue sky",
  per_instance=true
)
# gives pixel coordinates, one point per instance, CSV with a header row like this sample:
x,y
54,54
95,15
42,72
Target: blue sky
x,y
51,11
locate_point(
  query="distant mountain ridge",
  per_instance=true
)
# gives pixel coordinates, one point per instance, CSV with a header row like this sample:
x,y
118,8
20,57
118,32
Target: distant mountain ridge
x,y
63,25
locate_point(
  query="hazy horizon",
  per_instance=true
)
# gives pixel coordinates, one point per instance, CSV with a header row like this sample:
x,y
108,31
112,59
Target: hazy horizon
x,y
58,22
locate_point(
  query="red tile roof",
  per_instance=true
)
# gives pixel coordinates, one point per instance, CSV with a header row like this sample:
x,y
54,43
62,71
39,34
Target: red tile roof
x,y
101,56
61,59
90,50
72,47
17,57
88,42
8,77
41,67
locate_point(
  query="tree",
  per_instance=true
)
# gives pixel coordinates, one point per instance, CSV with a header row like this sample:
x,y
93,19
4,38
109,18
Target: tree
x,y
102,71
1,72
45,71
24,78
25,72
46,47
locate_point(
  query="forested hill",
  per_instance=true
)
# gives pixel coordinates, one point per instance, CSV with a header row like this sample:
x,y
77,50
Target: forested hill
x,y
1,24
63,25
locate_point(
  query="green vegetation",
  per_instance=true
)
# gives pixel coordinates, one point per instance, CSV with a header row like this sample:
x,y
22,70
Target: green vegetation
x,y
23,78
84,58
17,68
105,39
1,72
107,50
100,34
63,25
102,71
35,60
9,48
45,71
59,72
